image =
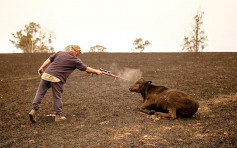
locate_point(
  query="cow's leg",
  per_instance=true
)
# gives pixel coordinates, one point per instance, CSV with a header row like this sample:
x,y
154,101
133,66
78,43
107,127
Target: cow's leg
x,y
171,114
145,106
163,115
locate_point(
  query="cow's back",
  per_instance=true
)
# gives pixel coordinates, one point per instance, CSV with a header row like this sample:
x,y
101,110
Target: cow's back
x,y
184,104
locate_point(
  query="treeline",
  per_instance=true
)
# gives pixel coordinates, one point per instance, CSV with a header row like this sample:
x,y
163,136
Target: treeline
x,y
33,39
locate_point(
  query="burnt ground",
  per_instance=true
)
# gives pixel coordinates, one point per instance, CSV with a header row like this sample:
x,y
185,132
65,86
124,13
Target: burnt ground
x,y
101,112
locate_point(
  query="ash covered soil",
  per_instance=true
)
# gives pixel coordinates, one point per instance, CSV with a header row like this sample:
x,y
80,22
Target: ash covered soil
x,y
101,112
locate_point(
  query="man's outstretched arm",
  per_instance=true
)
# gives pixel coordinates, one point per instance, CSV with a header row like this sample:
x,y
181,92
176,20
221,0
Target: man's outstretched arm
x,y
92,70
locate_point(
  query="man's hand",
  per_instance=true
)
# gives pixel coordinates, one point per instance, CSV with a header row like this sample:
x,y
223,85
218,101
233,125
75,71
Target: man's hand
x,y
40,71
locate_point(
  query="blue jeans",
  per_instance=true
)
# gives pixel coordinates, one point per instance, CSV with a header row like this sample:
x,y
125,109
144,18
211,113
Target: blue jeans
x,y
57,89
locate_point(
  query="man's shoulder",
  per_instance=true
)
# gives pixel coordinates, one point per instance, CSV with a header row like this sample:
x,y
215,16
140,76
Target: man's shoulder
x,y
68,55
63,53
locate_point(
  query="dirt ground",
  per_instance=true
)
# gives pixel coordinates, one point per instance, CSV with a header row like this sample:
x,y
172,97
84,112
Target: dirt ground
x,y
101,112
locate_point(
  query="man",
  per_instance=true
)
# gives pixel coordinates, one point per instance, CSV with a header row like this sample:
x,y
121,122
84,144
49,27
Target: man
x,y
60,66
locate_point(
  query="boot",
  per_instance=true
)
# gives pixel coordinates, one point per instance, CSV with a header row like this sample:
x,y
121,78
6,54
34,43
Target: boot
x,y
32,116
59,118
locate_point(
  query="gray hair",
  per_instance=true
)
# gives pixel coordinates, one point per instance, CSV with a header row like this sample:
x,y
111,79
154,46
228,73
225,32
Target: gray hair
x,y
75,48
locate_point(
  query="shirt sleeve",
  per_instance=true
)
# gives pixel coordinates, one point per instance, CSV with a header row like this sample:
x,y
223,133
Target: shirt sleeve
x,y
52,57
80,65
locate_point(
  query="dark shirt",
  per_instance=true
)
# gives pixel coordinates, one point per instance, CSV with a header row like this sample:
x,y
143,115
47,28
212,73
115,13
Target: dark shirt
x,y
63,64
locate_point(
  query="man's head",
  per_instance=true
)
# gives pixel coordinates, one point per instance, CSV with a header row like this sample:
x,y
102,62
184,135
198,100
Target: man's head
x,y
76,49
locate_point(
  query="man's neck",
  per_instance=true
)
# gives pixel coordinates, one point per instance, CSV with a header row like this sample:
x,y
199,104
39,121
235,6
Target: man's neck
x,y
73,52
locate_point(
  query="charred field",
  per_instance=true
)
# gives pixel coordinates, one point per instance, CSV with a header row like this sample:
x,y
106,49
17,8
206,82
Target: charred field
x,y
101,112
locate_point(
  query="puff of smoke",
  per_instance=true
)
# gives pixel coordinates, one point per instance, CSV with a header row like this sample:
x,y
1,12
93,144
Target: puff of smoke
x,y
128,73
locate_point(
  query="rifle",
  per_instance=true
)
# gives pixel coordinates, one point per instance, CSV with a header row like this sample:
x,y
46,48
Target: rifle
x,y
108,73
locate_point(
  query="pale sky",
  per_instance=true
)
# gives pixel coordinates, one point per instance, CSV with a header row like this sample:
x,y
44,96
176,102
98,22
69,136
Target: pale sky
x,y
115,24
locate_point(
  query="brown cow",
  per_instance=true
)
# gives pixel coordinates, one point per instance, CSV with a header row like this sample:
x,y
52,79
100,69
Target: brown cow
x,y
164,102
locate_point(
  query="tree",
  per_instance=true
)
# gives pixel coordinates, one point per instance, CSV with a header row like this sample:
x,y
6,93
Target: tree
x,y
32,39
140,45
68,48
198,38
97,48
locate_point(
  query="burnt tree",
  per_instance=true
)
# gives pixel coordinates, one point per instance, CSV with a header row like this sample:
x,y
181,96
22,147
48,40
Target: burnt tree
x,y
196,42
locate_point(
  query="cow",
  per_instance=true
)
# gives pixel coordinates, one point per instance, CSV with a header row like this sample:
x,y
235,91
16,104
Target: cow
x,y
164,102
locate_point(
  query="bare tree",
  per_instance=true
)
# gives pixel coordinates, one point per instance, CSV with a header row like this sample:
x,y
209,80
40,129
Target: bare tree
x,y
140,45
196,42
68,48
97,48
33,39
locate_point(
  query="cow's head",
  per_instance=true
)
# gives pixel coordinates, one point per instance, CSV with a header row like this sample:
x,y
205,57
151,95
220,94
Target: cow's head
x,y
139,86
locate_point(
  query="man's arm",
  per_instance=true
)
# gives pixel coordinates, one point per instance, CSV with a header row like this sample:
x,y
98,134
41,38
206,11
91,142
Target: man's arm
x,y
92,70
45,64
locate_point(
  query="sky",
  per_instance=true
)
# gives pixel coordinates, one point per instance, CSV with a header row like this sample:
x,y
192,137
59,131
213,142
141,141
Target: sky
x,y
115,24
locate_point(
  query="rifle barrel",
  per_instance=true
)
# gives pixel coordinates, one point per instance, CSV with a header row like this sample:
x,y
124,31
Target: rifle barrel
x,y
112,75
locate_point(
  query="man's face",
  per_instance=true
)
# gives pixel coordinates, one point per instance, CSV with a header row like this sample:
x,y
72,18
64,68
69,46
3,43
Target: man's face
x,y
78,52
